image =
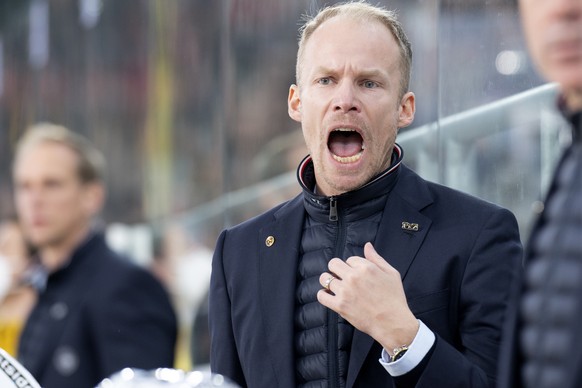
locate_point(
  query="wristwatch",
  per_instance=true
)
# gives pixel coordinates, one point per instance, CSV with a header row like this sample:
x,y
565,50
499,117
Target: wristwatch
x,y
398,352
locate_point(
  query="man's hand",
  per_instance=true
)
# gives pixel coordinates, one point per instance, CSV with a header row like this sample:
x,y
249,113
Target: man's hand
x,y
368,293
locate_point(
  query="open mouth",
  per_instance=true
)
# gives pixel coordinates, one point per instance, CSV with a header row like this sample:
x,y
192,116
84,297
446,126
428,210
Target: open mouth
x,y
346,145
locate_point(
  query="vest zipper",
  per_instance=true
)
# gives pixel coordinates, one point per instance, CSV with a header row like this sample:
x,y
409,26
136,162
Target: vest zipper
x,y
333,353
332,317
333,209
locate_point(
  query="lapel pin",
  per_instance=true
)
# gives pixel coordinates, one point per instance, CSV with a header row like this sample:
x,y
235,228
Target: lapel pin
x,y
270,241
409,226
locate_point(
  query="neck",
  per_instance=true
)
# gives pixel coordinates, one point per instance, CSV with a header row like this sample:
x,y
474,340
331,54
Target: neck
x,y
573,100
53,256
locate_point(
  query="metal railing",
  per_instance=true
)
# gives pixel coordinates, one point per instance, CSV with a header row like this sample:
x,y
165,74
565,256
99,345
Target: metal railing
x,y
443,151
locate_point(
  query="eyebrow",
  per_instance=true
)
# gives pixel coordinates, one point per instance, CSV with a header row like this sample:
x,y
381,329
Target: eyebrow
x,y
371,73
374,73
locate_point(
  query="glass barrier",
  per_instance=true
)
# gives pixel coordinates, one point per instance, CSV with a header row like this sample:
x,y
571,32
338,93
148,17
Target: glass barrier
x,y
503,152
187,99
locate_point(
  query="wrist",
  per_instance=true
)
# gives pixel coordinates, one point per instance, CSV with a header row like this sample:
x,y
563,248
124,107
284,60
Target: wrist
x,y
400,339
417,351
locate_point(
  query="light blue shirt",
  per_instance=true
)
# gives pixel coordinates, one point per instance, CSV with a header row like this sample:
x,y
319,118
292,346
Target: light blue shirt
x,y
417,350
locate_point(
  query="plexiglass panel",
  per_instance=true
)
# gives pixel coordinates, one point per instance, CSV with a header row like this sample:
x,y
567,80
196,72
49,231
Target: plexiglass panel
x,y
187,99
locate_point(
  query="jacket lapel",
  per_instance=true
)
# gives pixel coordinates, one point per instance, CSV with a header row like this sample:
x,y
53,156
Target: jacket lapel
x,y
279,242
397,241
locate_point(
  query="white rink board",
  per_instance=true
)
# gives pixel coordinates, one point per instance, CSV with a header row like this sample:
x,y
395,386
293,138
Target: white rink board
x,y
13,374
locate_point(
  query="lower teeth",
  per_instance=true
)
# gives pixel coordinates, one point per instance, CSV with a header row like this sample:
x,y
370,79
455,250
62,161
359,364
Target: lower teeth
x,y
348,159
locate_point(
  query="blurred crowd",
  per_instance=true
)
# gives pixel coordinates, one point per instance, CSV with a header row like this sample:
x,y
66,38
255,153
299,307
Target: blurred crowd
x,y
179,97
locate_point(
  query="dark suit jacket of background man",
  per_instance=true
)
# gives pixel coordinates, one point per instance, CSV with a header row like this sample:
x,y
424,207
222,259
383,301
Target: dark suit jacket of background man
x,y
561,250
97,315
456,269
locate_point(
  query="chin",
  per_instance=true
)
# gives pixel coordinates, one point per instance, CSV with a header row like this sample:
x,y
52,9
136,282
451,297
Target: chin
x,y
39,240
343,186
572,85
567,74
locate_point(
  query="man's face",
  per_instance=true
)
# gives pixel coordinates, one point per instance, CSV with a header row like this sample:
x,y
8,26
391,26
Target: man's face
x,y
52,203
553,29
348,102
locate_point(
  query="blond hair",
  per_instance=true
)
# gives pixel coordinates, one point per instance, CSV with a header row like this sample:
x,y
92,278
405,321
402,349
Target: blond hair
x,y
91,163
362,11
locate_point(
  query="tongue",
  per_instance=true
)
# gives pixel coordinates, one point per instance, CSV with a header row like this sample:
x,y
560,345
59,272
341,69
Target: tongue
x,y
345,144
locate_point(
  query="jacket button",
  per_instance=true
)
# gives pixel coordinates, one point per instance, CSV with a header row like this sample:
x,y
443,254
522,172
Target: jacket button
x,y
66,360
270,241
537,207
58,311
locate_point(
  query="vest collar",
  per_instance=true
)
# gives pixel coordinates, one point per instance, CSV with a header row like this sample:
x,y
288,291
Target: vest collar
x,y
318,206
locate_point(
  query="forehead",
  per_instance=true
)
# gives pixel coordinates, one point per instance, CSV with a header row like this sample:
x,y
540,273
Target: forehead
x,y
343,39
45,159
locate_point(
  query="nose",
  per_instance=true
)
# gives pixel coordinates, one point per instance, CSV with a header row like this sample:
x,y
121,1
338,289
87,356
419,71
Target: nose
x,y
30,198
345,98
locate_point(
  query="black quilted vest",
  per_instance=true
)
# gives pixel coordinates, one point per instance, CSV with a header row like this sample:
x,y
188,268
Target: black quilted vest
x,y
551,307
334,227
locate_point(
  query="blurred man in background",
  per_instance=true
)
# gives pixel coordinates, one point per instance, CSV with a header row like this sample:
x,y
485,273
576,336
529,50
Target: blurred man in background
x,y
543,337
372,277
96,313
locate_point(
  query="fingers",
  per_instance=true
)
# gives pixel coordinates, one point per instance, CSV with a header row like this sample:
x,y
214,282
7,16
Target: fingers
x,y
371,254
327,279
338,267
374,257
342,269
325,298
339,270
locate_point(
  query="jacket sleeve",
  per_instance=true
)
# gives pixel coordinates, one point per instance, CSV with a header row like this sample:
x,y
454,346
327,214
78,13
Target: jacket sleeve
x,y
133,323
223,352
483,298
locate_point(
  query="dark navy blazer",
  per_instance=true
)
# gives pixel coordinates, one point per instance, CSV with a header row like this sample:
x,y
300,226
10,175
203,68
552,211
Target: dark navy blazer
x,y
456,270
96,316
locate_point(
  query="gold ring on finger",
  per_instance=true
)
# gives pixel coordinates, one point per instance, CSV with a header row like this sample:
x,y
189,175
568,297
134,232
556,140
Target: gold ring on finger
x,y
328,282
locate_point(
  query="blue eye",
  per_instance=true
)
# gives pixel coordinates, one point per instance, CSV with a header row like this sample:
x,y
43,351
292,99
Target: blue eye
x,y
324,81
370,84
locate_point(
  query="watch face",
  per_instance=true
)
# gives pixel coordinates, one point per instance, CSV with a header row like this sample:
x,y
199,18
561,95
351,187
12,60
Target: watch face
x,y
398,353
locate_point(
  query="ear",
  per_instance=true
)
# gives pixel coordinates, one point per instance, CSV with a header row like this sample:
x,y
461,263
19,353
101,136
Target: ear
x,y
294,103
406,110
94,198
